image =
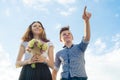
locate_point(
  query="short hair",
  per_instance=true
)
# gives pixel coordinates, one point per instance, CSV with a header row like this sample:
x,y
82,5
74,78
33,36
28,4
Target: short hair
x,y
64,29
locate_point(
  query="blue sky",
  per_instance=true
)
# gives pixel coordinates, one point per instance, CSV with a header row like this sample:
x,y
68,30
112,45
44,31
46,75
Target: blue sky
x,y
102,55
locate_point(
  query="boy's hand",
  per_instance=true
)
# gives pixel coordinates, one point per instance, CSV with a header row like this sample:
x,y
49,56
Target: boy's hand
x,y
86,15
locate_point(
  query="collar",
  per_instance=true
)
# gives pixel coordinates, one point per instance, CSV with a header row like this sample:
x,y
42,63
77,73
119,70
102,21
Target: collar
x,y
67,47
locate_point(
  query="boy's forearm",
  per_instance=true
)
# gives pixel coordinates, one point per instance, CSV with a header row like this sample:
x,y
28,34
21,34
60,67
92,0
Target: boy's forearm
x,y
54,74
87,30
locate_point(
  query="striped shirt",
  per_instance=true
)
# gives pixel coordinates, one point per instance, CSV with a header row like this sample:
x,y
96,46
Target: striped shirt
x,y
72,60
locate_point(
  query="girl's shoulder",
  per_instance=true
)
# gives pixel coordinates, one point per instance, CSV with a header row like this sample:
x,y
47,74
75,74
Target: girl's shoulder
x,y
50,43
24,43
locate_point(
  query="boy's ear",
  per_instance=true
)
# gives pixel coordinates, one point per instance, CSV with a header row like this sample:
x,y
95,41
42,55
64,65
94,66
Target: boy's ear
x,y
72,37
60,39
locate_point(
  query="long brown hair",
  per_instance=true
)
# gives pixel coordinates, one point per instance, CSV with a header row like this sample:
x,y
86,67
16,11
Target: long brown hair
x,y
28,35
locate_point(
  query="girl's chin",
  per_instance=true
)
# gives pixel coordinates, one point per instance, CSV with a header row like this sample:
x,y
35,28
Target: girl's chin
x,y
37,32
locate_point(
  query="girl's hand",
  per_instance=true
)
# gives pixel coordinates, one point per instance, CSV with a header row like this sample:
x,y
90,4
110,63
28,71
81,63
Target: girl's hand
x,y
86,15
41,59
38,58
34,58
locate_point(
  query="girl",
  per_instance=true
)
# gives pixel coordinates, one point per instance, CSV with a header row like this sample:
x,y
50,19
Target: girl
x,y
42,62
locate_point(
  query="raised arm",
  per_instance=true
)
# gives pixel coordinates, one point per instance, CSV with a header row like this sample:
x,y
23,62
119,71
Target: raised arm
x,y
54,74
86,16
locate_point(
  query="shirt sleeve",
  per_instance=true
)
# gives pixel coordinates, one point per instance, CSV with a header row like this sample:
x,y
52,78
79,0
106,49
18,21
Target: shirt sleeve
x,y
24,44
57,62
50,44
83,45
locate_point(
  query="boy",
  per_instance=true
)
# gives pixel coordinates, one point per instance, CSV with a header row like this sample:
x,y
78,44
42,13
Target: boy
x,y
72,55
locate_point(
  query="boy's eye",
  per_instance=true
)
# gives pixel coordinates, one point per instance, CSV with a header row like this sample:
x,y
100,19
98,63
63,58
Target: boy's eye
x,y
68,33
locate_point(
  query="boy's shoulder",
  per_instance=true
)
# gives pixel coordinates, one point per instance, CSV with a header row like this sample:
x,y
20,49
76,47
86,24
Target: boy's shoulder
x,y
60,51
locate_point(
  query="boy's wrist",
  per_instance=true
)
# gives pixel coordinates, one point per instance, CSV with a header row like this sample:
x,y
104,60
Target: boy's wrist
x,y
86,21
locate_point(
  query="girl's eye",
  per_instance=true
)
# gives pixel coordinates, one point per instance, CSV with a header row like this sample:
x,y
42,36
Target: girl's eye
x,y
64,34
40,26
37,26
34,26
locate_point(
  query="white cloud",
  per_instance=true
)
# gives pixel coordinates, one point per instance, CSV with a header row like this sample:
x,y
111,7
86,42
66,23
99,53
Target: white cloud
x,y
7,69
7,12
64,2
106,66
99,45
97,1
58,26
9,1
44,5
116,40
33,2
37,4
116,37
17,9
13,1
3,0
68,12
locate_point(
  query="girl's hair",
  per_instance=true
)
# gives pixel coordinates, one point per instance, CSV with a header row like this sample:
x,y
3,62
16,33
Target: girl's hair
x,y
29,34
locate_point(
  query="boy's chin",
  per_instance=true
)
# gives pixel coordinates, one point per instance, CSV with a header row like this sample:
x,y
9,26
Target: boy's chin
x,y
68,41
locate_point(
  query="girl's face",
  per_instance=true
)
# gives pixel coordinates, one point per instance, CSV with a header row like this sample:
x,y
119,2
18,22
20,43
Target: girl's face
x,y
37,28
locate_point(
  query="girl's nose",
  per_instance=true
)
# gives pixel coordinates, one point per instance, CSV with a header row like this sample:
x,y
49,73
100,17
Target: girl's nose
x,y
37,27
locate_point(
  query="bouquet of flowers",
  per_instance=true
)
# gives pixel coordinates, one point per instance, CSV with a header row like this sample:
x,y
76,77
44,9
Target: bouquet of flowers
x,y
36,47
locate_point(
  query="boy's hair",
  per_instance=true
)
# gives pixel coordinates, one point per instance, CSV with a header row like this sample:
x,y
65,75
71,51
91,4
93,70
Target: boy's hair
x,y
64,29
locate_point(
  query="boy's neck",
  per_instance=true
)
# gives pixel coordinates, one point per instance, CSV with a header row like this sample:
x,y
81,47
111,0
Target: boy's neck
x,y
68,44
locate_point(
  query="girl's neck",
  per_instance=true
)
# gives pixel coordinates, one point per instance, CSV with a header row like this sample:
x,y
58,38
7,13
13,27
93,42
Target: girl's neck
x,y
36,37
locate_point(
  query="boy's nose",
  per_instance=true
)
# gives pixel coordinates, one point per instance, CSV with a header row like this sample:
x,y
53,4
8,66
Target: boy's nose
x,y
67,34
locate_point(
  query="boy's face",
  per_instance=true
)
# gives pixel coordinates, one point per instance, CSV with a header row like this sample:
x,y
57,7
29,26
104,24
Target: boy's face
x,y
66,36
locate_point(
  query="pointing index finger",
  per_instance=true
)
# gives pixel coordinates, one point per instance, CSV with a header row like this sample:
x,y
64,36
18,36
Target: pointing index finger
x,y
85,9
